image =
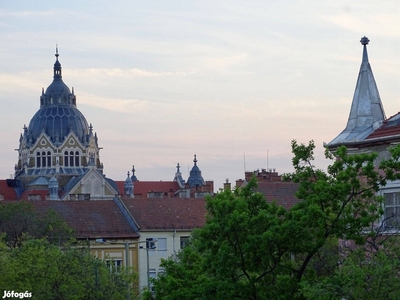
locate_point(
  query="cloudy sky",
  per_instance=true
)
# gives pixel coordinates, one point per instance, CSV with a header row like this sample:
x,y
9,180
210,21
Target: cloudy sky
x,y
232,81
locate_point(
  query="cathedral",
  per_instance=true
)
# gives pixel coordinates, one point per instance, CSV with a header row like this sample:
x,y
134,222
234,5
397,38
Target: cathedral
x,y
59,158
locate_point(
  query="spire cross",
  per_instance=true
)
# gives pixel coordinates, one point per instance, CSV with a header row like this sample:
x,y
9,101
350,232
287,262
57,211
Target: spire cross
x,y
177,167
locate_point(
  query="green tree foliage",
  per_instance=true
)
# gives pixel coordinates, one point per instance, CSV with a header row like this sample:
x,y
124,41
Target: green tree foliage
x,y
38,254
20,221
253,249
50,272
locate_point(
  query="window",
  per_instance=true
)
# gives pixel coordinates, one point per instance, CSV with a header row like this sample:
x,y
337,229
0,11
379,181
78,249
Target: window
x,y
43,159
392,210
152,273
71,159
34,197
184,241
162,244
114,264
38,160
66,159
76,159
79,197
48,158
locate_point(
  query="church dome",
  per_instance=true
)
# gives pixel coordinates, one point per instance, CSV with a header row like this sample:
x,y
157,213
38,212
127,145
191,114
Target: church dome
x,y
57,122
195,179
58,89
58,115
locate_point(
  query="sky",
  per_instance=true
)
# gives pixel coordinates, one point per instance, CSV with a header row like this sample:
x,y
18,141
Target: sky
x,y
233,82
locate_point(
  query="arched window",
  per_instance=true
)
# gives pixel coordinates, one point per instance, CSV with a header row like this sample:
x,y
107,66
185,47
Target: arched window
x,y
48,158
66,158
43,159
71,159
76,159
38,160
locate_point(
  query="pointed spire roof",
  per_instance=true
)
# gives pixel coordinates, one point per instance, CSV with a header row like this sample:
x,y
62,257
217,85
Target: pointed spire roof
x,y
366,113
134,178
178,177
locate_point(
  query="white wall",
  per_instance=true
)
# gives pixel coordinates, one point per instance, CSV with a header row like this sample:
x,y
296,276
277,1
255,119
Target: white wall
x,y
173,239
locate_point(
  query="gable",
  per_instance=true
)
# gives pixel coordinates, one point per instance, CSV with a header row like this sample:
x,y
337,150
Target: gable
x,y
92,183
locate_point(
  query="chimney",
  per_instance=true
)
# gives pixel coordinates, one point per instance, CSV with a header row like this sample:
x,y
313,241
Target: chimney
x,y
227,185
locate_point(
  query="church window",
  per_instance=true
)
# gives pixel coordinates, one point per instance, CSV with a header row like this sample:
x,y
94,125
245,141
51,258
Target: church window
x,y
91,158
66,158
38,160
43,159
48,158
71,158
76,159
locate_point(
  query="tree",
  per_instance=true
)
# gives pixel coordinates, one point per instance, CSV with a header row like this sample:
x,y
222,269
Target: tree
x,y
253,249
19,221
50,272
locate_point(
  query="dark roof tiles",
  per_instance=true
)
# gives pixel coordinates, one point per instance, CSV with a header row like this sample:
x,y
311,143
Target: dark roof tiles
x,y
167,214
281,192
90,219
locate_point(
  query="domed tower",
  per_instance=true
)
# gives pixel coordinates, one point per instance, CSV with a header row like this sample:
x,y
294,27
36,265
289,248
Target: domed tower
x,y
195,179
58,140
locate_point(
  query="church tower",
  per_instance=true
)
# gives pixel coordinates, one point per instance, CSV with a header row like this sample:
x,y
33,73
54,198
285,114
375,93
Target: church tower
x,y
59,142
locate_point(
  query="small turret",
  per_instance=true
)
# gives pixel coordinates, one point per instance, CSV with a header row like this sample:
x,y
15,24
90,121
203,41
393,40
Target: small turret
x,y
128,187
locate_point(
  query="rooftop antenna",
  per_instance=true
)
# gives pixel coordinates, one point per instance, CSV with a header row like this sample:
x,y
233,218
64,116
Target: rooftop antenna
x,y
244,162
267,160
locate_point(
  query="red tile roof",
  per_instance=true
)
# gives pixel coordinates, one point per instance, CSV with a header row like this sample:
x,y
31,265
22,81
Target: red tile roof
x,y
141,188
167,214
90,219
282,192
389,129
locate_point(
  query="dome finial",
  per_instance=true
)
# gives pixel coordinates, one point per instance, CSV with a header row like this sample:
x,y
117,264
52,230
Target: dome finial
x,y
364,40
195,160
133,178
57,66
57,55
